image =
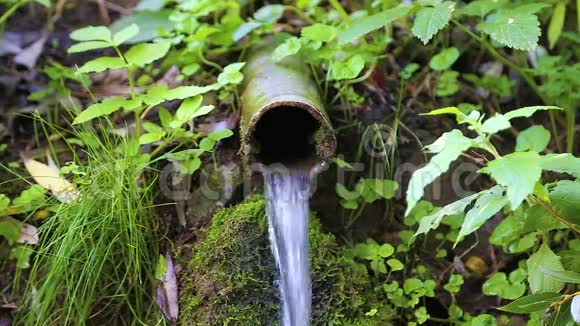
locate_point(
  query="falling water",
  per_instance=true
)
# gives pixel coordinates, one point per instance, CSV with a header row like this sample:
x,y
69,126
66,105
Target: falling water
x,y
287,195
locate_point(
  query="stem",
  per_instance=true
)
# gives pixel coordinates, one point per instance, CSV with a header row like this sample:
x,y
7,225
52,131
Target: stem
x,y
555,215
300,13
11,10
343,14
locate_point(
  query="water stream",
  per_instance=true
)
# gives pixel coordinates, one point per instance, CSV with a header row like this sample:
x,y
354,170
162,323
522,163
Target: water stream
x,y
287,195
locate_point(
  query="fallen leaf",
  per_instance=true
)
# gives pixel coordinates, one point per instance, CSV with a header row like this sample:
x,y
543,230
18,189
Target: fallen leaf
x,y
29,55
50,179
28,234
167,294
476,264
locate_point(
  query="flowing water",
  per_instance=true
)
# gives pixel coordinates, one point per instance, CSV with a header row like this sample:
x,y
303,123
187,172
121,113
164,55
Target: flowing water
x,y
287,195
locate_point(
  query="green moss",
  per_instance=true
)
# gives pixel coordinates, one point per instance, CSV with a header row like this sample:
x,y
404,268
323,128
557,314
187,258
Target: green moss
x,y
229,280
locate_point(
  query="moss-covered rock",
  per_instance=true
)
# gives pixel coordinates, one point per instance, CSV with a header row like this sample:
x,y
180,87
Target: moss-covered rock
x,y
230,279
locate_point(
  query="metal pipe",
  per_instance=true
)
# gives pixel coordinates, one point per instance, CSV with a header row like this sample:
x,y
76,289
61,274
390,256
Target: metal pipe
x,y
283,119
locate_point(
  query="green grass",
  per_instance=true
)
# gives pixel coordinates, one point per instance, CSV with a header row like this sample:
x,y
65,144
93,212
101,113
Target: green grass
x,y
96,260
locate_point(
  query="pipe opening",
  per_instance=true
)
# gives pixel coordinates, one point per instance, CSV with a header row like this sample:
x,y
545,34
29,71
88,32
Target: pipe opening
x,y
284,135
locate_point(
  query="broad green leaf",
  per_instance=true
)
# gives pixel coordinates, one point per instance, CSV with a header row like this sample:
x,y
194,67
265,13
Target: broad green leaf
x,y
395,264
4,203
30,198
92,33
220,134
106,107
87,46
183,92
480,7
538,281
563,276
151,127
565,199
231,74
245,29
383,187
447,148
513,27
563,163
290,47
518,172
430,20
10,229
496,123
189,166
368,24
534,302
535,138
344,193
207,144
347,68
145,53
487,205
269,14
125,34
165,118
528,111
151,137
499,285
102,64
319,32
150,23
432,221
188,108
556,23
444,59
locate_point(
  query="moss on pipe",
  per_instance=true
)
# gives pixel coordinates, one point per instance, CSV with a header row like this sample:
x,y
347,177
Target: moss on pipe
x,y
269,85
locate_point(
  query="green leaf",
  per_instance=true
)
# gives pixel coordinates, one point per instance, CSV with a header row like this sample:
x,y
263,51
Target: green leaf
x,y
190,109
386,250
383,187
347,68
10,229
556,23
220,134
533,302
106,107
151,137
4,203
499,285
454,283
145,53
518,172
409,70
565,199
183,92
395,264
22,256
487,205
563,163
92,33
231,74
30,198
430,20
344,193
444,59
433,220
290,47
368,24
544,258
447,84
45,3
125,34
528,111
514,28
269,14
535,138
563,276
87,46
150,23
447,148
189,166
102,64
319,32
480,7
494,124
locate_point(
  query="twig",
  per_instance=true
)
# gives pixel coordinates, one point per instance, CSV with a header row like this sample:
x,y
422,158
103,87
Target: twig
x,y
555,215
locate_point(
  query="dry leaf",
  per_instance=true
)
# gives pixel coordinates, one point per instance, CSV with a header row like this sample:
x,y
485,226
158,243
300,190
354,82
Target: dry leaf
x,y
167,294
50,179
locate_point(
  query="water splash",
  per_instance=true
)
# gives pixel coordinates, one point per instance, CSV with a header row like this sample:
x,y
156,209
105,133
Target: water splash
x,y
287,195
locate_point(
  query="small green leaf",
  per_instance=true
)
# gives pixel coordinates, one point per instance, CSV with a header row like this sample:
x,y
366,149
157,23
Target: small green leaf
x,y
528,111
386,250
269,14
125,34
447,84
563,276
345,193
487,205
395,264
535,138
22,256
161,268
319,32
4,203
87,46
190,109
433,220
533,302
10,229
496,123
151,137
102,64
207,144
165,118
106,107
518,172
92,33
556,23
183,92
290,47
347,68
454,283
430,20
515,28
30,198
145,53
45,3
368,24
409,70
544,258
150,24
231,74
480,7
447,148
444,59
220,134
499,285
